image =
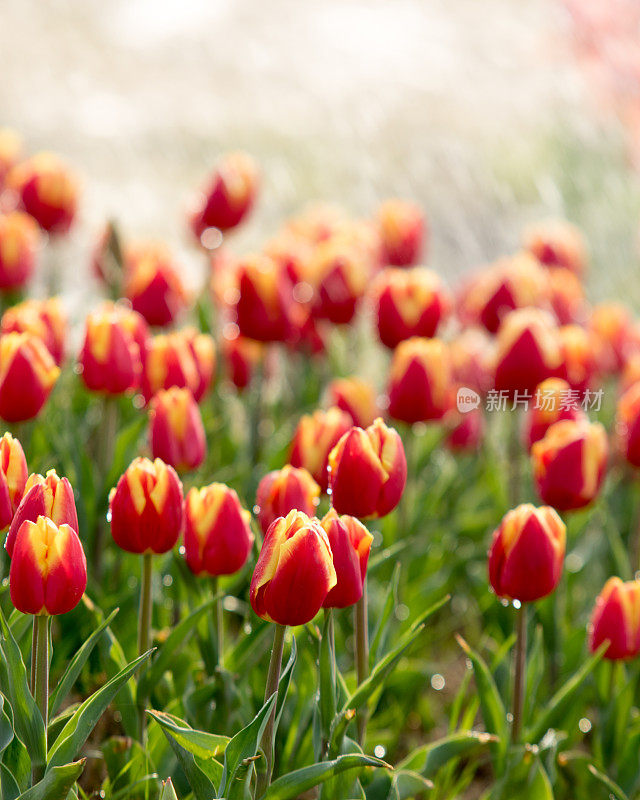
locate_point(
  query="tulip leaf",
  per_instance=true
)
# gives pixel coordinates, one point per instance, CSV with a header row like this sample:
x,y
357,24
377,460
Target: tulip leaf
x,y
327,676
75,733
284,682
540,785
615,792
75,666
6,726
383,621
168,792
165,652
429,758
200,777
8,784
200,743
292,785
27,718
56,782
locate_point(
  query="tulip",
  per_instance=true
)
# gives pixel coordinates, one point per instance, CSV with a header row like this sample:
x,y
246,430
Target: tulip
x,y
315,436
317,223
470,358
368,471
628,424
110,358
242,356
409,303
229,195
11,146
356,397
19,242
44,496
203,350
47,190
27,375
557,244
176,431
350,544
616,619
611,326
569,463
566,296
466,434
262,308
630,373
527,351
553,402
169,361
13,478
217,535
45,319
577,347
340,274
419,380
402,230
153,284
284,490
293,255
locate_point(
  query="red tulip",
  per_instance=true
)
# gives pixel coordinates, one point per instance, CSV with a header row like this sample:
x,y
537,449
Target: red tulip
x,y
45,319
153,284
176,431
110,358
350,544
567,298
616,619
553,401
402,231
172,360
315,436
11,147
262,307
356,397
13,478
340,271
611,325
557,244
578,356
284,490
470,357
419,380
27,375
19,242
467,433
628,424
242,356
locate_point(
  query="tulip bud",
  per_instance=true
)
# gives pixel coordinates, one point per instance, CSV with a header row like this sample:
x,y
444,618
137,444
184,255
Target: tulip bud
x,y
315,436
217,535
367,471
242,356
567,298
43,318
203,350
419,380
577,347
146,507
616,619
467,432
356,397
13,477
176,431
552,403
628,424
229,196
470,357
19,241
350,544
47,191
110,357
169,361
153,284
402,230
317,223
284,490
569,463
409,303
293,255
526,553
10,151
294,572
340,272
557,244
527,351
262,306
611,325
44,496
27,375
48,572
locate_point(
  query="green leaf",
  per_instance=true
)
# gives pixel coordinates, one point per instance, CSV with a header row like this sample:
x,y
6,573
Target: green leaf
x,y
327,705
292,785
200,743
26,716
75,733
405,785
493,712
383,621
6,727
16,760
75,667
202,784
56,782
540,786
428,759
8,784
168,792
614,790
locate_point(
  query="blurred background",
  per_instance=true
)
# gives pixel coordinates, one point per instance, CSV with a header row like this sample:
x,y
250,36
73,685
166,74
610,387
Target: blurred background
x,y
490,114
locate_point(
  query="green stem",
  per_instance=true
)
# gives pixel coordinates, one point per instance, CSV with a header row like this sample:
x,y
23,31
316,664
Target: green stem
x,y
273,678
519,671
144,624
41,681
514,454
34,650
219,615
361,623
107,432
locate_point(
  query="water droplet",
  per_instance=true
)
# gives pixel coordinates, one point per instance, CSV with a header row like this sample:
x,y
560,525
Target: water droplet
x,y
437,681
509,717
167,580
379,751
517,604
109,516
182,550
584,725
211,238
402,612
256,509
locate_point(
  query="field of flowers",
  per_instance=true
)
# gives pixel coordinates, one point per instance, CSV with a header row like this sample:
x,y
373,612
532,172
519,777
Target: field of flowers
x,y
328,528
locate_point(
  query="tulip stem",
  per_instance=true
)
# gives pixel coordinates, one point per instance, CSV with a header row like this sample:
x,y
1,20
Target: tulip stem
x,y
34,650
519,671
361,621
273,678
514,453
144,623
41,680
219,615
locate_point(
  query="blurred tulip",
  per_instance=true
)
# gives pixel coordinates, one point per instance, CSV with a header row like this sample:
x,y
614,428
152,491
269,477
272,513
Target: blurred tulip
x,y
526,553
409,303
13,478
616,619
217,535
356,397
284,490
10,151
367,471
470,357
27,375
317,222
45,319
577,347
203,350
340,273
19,242
292,254
262,308
630,373
294,572
402,230
146,507
553,401
47,190
557,243
628,424
315,436
169,361
153,284
567,298
176,431
229,195
467,432
350,544
611,324
527,351
44,496
242,356
419,380
569,463
48,572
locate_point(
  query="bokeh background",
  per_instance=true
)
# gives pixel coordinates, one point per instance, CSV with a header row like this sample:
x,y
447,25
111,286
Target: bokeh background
x,y
490,114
